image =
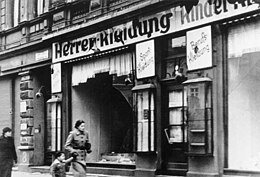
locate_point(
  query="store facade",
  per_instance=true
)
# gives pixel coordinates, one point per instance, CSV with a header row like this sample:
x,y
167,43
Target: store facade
x,y
168,92
242,110
22,77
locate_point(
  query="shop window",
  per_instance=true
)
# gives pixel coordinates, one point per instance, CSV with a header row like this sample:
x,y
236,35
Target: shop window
x,y
244,96
174,63
144,118
54,125
199,116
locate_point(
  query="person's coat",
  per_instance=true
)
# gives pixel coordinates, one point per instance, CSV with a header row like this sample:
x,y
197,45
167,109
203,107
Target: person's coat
x,y
76,142
7,149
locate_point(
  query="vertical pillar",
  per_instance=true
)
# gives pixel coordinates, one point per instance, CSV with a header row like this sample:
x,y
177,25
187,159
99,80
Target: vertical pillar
x,y
2,13
9,7
31,9
3,43
26,125
24,10
46,5
3,20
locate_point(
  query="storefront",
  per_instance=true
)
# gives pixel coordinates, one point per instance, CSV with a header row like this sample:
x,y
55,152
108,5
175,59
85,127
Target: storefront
x,y
174,90
101,95
242,96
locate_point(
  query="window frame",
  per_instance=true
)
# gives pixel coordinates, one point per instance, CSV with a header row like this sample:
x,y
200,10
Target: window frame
x,y
151,133
200,141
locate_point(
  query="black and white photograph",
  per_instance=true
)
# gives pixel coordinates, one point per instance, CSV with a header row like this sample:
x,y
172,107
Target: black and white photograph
x,y
130,88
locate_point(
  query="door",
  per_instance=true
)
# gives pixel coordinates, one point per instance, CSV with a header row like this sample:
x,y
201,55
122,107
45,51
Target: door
x,y
175,129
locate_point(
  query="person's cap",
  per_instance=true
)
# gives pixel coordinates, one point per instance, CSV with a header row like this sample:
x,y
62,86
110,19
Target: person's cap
x,y
6,129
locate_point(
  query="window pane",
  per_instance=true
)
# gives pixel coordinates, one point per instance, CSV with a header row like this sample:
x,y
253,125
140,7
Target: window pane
x,y
176,46
244,97
197,97
175,98
175,61
176,134
144,122
175,116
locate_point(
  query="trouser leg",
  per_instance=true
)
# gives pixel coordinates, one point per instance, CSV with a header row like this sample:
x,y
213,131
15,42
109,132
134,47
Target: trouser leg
x,y
6,168
78,169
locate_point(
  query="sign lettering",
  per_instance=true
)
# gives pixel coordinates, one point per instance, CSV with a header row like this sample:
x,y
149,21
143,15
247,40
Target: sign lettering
x,y
162,23
199,48
145,61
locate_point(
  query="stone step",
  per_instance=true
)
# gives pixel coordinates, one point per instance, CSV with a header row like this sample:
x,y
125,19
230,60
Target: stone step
x,y
177,165
93,170
176,169
40,169
236,176
111,171
175,172
240,173
167,176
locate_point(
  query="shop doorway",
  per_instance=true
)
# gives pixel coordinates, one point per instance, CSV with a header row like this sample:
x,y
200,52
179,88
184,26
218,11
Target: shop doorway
x,y
108,115
174,130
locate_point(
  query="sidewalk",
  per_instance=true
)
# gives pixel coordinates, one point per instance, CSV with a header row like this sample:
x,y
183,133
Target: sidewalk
x,y
37,174
24,174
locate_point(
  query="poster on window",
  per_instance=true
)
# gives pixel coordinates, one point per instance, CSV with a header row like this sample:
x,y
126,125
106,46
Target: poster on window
x,y
199,48
56,78
145,61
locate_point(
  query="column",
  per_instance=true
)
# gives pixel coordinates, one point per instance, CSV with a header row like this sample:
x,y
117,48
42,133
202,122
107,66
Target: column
x,y
24,10
32,9
9,6
46,6
26,113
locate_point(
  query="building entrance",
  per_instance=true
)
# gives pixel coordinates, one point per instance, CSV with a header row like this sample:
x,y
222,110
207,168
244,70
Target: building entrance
x,y
175,131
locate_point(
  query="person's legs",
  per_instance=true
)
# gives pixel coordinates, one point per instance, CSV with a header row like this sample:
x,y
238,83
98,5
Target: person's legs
x,y
78,169
6,168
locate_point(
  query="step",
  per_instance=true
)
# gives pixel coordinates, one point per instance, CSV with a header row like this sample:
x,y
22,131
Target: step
x,y
111,165
235,176
102,169
175,169
40,169
111,171
240,173
167,176
176,172
177,165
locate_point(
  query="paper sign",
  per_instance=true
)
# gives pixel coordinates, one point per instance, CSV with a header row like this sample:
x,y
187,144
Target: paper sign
x,y
145,62
199,48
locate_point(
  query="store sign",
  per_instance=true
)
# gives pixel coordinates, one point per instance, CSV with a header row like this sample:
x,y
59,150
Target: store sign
x,y
145,61
199,48
162,23
208,11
